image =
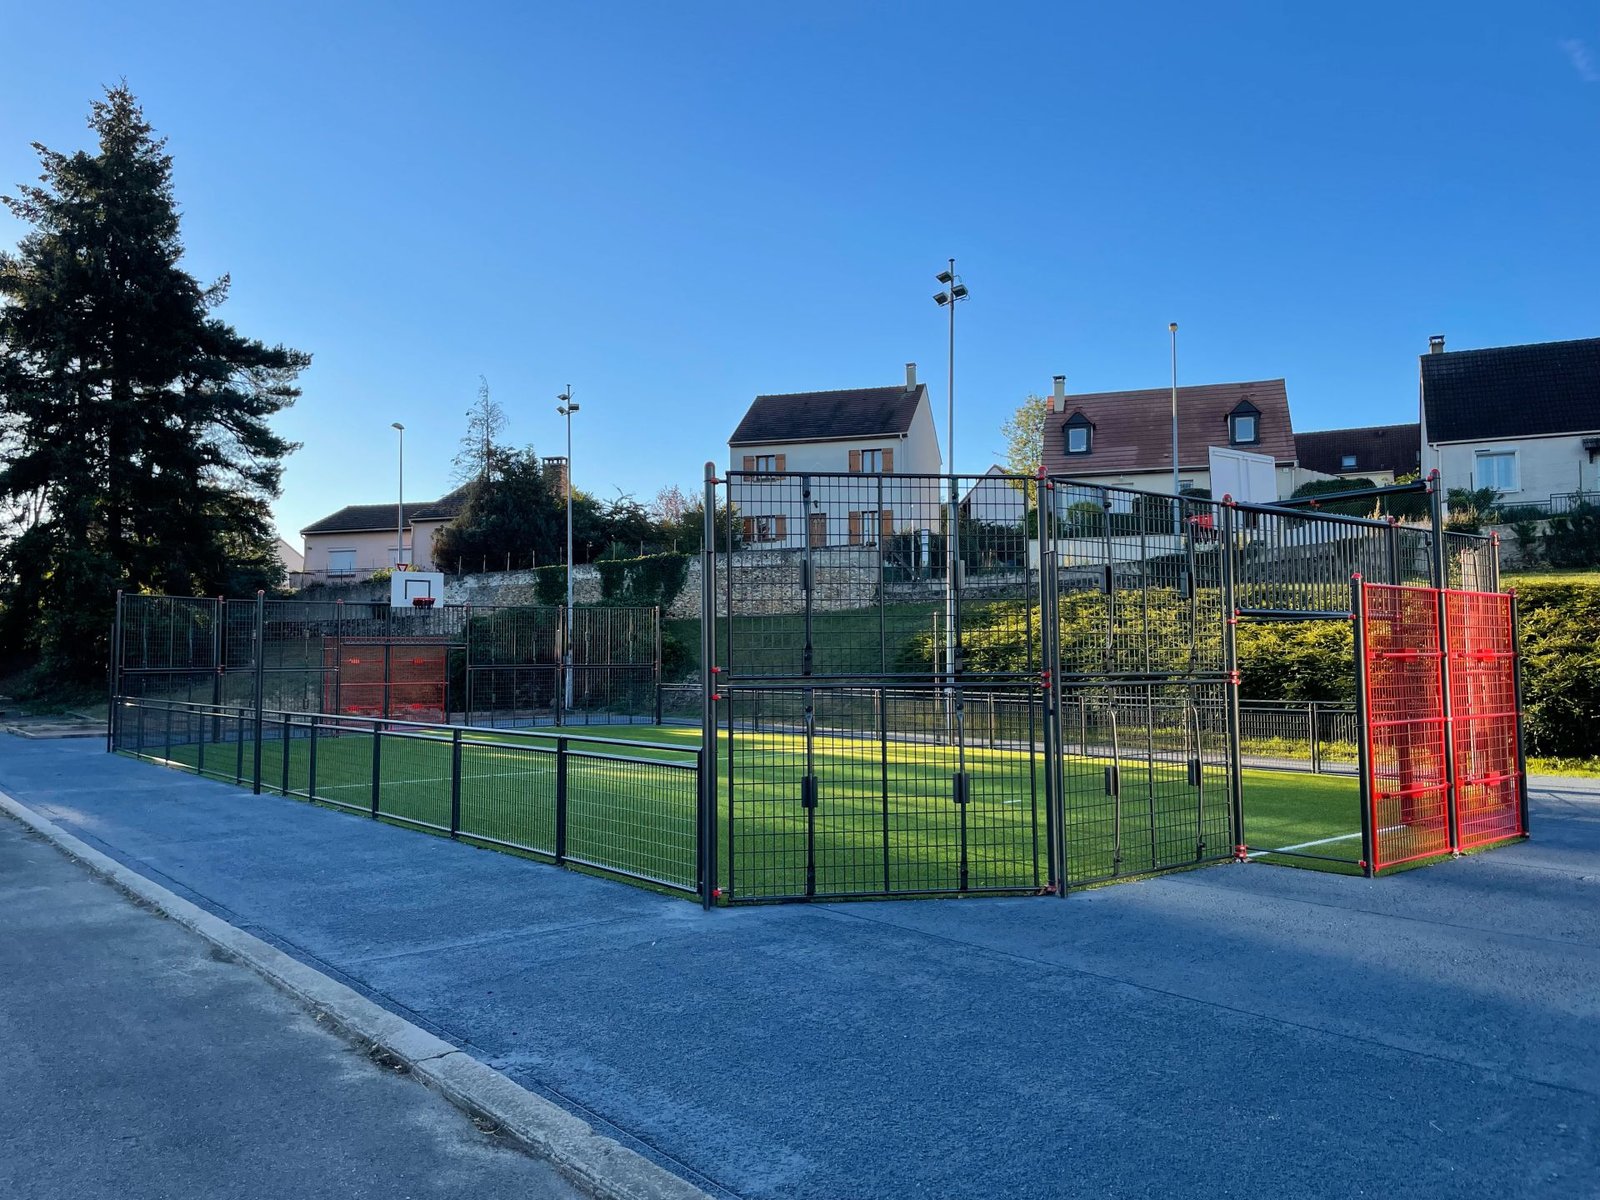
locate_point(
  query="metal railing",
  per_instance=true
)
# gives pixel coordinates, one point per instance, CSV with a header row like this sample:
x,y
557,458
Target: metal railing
x,y
627,808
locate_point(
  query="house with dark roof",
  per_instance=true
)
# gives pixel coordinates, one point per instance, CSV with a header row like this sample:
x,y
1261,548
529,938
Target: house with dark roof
x,y
850,432
1524,420
1125,438
362,538
1381,453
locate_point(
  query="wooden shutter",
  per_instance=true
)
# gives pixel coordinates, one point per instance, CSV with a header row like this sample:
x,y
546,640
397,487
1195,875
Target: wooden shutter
x,y
888,461
780,462
749,530
855,528
749,465
780,527
886,520
855,461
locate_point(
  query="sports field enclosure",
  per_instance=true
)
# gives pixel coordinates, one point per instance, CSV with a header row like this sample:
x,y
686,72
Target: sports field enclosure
x,y
905,685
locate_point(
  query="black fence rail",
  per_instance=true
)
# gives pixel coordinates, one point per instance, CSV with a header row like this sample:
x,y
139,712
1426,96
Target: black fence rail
x,y
627,808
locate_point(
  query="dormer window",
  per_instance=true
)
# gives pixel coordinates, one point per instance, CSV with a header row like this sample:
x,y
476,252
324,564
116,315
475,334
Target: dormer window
x,y
1079,433
1244,424
1347,462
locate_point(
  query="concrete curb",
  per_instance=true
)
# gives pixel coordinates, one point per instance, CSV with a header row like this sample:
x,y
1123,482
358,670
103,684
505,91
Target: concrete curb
x,y
597,1164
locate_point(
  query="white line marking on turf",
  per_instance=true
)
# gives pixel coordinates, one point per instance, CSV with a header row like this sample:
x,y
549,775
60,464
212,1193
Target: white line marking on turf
x,y
1343,837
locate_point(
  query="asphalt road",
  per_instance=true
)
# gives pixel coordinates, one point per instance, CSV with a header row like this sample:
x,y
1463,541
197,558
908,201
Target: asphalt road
x,y
135,1064
1240,1031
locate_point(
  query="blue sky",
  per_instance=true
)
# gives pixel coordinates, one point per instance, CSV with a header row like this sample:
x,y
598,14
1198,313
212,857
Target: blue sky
x,y
673,207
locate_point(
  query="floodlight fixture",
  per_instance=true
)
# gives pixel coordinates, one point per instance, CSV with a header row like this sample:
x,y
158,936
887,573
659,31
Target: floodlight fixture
x,y
941,299
944,276
959,292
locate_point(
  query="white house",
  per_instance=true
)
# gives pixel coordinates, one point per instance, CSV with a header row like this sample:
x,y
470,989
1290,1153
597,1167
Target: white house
x,y
840,468
1524,420
361,538
995,498
1124,439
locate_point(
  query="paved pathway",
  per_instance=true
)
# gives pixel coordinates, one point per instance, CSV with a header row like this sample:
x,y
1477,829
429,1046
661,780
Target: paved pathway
x,y
138,1064
1240,1031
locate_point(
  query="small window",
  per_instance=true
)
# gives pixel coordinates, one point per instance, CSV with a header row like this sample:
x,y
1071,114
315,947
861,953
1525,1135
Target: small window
x,y
766,464
872,461
1497,469
341,562
1244,430
1347,462
766,528
1080,434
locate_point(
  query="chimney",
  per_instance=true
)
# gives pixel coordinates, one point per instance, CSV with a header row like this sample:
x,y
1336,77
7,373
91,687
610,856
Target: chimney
x,y
1058,397
1436,344
911,377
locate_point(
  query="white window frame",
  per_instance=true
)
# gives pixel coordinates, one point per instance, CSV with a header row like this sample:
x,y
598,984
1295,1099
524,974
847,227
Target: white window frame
x,y
1236,421
1073,433
871,521
1499,455
872,461
338,565
1347,462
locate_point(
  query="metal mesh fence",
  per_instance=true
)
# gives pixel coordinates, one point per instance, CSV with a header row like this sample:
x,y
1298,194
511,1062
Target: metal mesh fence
x,y
1483,715
1408,778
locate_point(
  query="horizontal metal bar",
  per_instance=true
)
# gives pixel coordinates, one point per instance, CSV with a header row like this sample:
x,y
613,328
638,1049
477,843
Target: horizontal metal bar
x,y
1294,614
1417,487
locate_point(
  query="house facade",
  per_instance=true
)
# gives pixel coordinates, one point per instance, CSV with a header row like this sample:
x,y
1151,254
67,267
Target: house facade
x,y
1524,420
362,538
853,442
1381,453
1124,439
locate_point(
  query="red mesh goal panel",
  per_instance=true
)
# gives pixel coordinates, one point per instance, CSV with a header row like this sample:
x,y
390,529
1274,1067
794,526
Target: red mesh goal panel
x,y
378,677
1407,781
1483,716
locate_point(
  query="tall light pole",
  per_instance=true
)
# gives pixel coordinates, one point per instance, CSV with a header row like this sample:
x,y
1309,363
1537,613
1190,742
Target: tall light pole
x,y
1177,508
566,408
956,290
400,500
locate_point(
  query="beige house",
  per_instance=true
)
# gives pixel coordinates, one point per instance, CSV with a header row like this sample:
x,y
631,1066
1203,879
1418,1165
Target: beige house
x,y
1524,420
850,443
362,538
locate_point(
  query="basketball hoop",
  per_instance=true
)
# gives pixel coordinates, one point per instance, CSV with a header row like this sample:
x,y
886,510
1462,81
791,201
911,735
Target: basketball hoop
x,y
422,601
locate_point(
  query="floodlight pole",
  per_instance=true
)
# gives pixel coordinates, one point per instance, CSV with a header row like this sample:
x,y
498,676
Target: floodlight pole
x,y
400,500
566,409
947,299
1177,509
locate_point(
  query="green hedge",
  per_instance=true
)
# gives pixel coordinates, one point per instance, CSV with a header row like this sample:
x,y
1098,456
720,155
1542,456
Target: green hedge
x,y
655,579
1561,666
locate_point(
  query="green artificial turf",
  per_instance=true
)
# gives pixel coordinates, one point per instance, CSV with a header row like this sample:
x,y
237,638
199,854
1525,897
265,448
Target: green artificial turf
x,y
632,807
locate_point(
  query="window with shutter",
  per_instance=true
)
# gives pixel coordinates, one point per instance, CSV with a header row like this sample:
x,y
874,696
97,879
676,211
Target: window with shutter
x,y
855,462
749,530
886,519
888,461
780,527
855,529
782,463
749,462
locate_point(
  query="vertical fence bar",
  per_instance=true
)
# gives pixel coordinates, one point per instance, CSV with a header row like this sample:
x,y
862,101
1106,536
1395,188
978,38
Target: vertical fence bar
x,y
1230,666
1316,739
561,800
656,618
455,783
1516,693
311,761
114,674
288,732
706,842
1049,650
219,666
1452,805
260,682
1358,612
377,763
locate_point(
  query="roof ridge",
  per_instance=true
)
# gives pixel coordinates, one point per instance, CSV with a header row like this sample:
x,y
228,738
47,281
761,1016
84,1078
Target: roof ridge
x,y
888,387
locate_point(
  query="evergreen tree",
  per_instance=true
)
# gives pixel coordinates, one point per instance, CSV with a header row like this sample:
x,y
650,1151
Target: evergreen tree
x,y
135,423
520,512
481,453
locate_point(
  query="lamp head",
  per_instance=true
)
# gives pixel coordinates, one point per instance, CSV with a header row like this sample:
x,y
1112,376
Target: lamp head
x,y
959,292
944,277
941,299
1172,327
397,425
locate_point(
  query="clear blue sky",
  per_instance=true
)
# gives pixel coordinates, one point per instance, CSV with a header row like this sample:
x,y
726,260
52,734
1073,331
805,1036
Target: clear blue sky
x,y
674,207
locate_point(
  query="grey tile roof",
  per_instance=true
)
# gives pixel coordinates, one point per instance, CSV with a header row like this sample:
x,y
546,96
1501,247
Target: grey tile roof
x,y
364,518
1394,448
1512,391
812,416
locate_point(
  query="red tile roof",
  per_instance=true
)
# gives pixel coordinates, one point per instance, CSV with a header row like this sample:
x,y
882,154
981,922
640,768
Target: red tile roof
x,y
1133,430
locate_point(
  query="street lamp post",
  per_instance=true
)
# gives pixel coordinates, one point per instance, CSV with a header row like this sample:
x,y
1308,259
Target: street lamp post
x,y
566,408
955,291
1177,508
400,500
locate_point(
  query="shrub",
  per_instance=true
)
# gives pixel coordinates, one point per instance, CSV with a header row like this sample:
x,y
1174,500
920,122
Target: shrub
x,y
1572,539
1561,666
550,584
655,579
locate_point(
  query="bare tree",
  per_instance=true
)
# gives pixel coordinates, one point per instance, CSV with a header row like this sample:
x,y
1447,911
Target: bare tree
x,y
480,447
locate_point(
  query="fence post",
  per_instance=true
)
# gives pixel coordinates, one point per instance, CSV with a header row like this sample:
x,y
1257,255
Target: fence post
x,y
1439,568
1391,545
311,762
1230,664
1316,740
238,747
561,800
114,674
1358,614
377,762
455,782
219,666
1516,695
1452,799
288,731
261,678
1055,836
656,611
707,841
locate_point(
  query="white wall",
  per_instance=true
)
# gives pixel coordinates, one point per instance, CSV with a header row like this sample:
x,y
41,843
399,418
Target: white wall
x,y
373,550
1544,466
1288,478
